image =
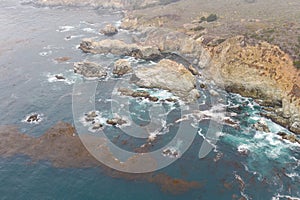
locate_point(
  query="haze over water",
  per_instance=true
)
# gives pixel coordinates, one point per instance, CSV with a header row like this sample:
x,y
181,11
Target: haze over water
x,y
33,38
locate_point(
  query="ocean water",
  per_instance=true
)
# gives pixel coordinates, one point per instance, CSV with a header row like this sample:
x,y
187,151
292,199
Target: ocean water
x,y
244,163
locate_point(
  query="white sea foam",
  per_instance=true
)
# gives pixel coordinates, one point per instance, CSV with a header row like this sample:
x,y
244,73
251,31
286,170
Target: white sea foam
x,y
51,47
52,78
45,53
87,23
90,30
65,28
118,23
243,148
284,197
293,175
73,36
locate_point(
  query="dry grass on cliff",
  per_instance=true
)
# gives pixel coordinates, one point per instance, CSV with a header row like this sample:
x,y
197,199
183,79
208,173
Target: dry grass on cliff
x,y
276,22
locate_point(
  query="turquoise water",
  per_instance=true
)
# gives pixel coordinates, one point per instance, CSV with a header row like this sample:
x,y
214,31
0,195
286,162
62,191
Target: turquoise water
x,y
33,37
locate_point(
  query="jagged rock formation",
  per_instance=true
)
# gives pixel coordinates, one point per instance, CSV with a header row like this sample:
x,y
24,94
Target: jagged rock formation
x,y
119,47
109,30
261,71
169,75
121,67
90,69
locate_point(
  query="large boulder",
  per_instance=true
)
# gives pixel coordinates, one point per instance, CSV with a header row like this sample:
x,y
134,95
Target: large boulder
x,y
168,75
109,30
90,69
119,47
121,67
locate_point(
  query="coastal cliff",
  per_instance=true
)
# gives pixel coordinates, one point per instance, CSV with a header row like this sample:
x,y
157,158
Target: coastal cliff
x,y
263,72
252,58
255,57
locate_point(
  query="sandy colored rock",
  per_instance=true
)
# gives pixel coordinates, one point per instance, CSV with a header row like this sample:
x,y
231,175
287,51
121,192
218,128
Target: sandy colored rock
x,y
261,71
121,67
90,69
109,30
169,75
118,47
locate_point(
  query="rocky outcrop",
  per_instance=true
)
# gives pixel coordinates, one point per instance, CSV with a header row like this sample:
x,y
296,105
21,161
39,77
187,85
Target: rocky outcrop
x,y
262,126
109,30
33,118
119,47
289,137
261,71
137,94
121,67
90,69
177,42
168,75
116,121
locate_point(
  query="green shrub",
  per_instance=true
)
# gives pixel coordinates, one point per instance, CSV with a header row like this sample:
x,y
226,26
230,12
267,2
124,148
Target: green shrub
x,y
297,64
202,19
211,18
198,28
269,31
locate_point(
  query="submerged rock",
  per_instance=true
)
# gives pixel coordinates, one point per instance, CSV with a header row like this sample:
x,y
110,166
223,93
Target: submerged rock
x,y
171,76
170,153
109,30
122,67
90,69
136,94
63,148
59,77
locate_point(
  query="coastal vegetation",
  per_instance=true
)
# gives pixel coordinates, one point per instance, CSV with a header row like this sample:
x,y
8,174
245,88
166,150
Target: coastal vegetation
x,y
210,18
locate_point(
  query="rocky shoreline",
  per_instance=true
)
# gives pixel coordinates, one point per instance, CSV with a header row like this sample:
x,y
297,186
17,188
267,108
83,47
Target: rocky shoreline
x,y
239,64
245,64
175,58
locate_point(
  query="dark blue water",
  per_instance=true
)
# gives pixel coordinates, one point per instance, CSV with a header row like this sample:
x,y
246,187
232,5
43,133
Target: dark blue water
x,y
32,38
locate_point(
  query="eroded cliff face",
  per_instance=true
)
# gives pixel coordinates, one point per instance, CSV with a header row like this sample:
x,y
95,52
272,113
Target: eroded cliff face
x,y
261,71
245,65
